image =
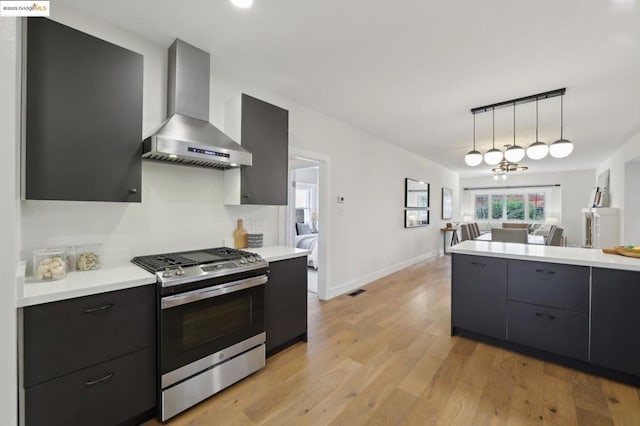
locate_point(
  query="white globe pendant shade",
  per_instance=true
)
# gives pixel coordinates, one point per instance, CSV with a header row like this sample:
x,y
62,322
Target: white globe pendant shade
x,y
561,148
514,153
473,158
493,156
537,150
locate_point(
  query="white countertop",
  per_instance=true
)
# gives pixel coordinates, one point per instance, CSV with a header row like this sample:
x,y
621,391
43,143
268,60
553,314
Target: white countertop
x,y
551,254
78,284
275,253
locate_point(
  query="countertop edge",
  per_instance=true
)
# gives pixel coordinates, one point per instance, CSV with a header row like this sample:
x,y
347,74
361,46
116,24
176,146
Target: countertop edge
x,y
276,253
607,261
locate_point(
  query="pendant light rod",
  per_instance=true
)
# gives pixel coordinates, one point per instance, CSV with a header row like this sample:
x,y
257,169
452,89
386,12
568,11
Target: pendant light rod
x,y
474,132
561,115
514,124
518,101
493,127
537,119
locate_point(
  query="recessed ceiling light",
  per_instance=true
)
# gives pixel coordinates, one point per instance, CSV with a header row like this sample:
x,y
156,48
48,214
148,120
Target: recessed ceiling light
x,y
244,4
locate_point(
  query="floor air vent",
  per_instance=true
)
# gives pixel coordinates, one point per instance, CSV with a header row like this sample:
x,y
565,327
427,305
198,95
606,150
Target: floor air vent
x,y
357,292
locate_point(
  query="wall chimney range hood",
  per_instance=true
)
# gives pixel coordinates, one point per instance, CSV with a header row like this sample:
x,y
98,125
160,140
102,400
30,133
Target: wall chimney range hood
x,y
187,137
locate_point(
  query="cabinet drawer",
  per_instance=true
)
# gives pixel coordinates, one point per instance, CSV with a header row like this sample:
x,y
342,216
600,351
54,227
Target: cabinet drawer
x,y
66,336
553,330
105,394
549,284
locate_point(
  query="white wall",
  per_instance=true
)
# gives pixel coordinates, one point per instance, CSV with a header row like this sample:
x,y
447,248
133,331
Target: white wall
x,y
575,189
367,237
619,187
631,204
9,216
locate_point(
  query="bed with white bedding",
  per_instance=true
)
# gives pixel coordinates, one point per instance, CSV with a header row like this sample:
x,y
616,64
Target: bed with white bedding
x,y
307,240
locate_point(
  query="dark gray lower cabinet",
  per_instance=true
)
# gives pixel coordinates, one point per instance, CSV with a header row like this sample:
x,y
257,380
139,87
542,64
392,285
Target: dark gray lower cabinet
x,y
615,320
90,360
106,394
552,330
479,294
286,303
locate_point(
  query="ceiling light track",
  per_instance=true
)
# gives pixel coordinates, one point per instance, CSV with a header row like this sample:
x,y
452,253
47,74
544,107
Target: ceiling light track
x,y
523,100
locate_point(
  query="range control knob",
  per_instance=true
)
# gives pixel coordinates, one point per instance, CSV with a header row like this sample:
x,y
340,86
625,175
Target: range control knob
x,y
243,260
179,271
252,259
168,273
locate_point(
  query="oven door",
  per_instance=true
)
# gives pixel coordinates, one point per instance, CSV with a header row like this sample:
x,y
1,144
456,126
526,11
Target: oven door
x,y
207,326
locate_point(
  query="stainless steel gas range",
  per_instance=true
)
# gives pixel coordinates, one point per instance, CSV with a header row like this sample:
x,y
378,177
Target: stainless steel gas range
x,y
211,331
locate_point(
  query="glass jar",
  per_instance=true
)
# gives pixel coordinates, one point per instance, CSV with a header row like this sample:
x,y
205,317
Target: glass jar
x,y
88,257
50,264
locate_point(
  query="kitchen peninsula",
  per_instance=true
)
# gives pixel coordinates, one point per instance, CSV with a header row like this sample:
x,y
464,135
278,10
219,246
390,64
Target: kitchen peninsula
x,y
573,306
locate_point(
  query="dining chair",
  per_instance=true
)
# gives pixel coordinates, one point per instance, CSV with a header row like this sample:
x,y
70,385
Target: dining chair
x,y
511,225
465,232
555,236
476,230
509,235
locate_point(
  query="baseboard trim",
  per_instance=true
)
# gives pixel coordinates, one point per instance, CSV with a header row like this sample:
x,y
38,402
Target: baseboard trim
x,y
374,276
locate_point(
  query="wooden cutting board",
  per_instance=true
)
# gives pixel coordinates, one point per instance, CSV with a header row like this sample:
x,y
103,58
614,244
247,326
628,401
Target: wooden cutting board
x,y
622,251
240,236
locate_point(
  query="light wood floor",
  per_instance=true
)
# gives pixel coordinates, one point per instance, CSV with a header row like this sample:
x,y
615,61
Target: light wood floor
x,y
385,357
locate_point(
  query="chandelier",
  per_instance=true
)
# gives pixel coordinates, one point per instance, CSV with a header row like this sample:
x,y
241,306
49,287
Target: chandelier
x,y
507,161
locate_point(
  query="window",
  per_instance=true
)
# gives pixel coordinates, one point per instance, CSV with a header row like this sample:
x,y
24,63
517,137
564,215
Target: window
x,y
536,206
516,206
497,206
303,202
482,207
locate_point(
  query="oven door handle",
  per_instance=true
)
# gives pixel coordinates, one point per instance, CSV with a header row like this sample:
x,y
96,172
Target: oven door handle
x,y
209,292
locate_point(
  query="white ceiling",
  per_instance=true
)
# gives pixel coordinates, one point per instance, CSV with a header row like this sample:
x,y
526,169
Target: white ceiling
x,y
409,71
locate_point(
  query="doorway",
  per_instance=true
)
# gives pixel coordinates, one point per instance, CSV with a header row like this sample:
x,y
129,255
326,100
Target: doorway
x,y
306,224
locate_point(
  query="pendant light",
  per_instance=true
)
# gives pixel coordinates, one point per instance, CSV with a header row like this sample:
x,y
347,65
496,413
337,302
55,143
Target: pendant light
x,y
537,150
473,158
562,147
514,153
493,156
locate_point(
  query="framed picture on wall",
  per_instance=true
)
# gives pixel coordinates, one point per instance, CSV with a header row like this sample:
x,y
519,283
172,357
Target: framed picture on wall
x,y
416,194
415,218
447,203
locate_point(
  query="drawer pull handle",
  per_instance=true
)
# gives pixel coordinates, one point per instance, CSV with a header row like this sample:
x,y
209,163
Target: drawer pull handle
x,y
98,309
100,380
482,265
545,271
547,316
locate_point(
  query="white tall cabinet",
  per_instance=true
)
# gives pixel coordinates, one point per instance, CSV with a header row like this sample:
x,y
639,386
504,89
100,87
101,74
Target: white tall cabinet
x,y
600,227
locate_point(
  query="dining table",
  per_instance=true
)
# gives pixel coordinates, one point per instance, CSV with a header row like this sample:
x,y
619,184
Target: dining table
x,y
531,239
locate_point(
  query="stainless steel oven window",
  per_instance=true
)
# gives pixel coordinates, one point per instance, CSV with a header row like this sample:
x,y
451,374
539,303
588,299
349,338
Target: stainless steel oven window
x,y
205,325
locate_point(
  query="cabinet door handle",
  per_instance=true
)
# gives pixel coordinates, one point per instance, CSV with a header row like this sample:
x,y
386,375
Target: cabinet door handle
x,y
133,191
547,316
98,309
545,271
482,265
100,380
245,196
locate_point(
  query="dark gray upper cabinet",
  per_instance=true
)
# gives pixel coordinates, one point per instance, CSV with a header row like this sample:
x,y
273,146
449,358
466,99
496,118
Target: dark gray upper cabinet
x,y
265,134
615,320
83,116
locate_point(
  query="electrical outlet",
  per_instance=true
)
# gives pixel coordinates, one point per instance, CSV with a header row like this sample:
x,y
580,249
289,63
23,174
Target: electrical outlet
x,y
340,199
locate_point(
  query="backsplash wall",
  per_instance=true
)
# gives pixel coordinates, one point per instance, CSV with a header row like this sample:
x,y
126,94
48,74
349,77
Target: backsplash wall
x,y
181,209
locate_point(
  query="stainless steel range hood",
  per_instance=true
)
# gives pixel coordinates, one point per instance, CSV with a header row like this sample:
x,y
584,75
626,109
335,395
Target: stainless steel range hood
x,y
187,137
